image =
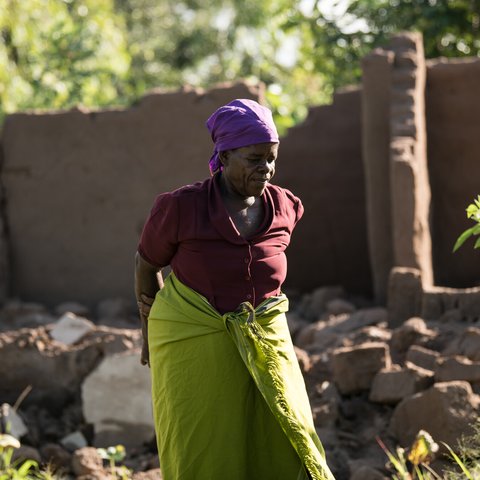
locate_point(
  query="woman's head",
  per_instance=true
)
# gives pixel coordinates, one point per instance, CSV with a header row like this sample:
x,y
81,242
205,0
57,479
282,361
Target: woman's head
x,y
241,123
247,170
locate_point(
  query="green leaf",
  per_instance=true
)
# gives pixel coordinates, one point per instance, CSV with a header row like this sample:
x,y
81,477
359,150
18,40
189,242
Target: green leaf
x,y
477,243
463,238
459,462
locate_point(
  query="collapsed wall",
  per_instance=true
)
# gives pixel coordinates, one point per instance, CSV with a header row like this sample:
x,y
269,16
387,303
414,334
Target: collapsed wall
x,y
81,183
321,161
453,127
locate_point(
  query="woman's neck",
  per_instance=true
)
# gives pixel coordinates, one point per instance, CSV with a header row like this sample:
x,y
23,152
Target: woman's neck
x,y
233,198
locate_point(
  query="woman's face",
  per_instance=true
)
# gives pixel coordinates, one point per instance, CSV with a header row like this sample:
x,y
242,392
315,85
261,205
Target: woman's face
x,y
247,170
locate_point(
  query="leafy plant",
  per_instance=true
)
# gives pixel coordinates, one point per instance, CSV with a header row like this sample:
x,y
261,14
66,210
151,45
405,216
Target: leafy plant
x,y
16,470
113,455
414,463
467,458
473,212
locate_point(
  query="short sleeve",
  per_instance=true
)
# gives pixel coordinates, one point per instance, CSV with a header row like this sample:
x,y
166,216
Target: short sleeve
x,y
298,209
294,207
159,240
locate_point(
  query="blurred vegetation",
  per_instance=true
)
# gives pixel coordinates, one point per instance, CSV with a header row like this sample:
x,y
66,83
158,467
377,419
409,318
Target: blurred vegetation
x,y
60,53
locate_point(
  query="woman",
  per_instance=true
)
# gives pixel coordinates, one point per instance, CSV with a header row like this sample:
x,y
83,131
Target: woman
x,y
228,396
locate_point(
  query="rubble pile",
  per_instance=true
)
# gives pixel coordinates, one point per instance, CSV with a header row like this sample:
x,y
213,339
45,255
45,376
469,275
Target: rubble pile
x,y
366,379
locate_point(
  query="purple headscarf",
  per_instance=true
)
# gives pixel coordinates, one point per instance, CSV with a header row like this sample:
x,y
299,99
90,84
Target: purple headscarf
x,y
238,124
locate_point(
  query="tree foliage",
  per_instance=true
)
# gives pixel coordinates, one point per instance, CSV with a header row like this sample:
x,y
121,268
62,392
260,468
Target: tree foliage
x,y
60,53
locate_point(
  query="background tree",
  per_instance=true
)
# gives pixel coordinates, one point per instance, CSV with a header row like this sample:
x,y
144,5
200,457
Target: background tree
x,y
59,53
56,54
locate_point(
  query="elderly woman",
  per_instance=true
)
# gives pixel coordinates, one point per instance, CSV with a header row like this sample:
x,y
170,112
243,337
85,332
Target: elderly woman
x,y
229,399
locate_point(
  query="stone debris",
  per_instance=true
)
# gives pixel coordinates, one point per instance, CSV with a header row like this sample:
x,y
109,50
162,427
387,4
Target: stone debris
x,y
355,367
12,422
87,461
314,304
303,359
446,410
390,386
466,344
25,452
364,380
74,441
422,357
367,473
70,329
116,399
56,456
413,331
295,323
457,368
337,306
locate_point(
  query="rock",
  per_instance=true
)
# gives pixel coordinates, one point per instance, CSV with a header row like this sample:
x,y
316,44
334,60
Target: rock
x,y
74,441
404,295
412,331
446,410
355,367
325,334
325,405
337,306
29,357
73,307
303,360
116,340
390,386
457,368
328,436
366,472
70,329
154,474
9,417
466,344
56,456
87,461
452,315
367,334
26,452
305,337
363,318
295,323
314,304
422,357
117,400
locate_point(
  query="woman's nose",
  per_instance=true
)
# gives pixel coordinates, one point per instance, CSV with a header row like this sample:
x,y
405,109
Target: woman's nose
x,y
265,166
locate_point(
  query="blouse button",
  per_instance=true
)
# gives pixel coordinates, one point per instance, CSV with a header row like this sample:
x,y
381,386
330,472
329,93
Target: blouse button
x,y
249,296
247,259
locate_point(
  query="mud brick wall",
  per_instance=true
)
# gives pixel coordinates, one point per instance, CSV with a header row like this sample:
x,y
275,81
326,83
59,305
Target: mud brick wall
x,y
321,162
453,128
80,185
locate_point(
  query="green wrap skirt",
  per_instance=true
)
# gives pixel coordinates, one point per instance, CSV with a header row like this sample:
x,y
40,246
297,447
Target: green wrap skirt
x,y
229,399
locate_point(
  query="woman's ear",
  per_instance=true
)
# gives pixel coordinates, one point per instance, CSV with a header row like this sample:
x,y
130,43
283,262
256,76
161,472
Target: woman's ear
x,y
223,156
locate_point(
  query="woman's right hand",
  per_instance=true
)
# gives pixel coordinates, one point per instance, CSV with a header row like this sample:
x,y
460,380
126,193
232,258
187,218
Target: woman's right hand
x,y
145,355
144,306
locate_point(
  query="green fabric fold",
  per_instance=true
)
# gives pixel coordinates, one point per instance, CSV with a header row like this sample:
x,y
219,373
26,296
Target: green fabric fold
x,y
229,398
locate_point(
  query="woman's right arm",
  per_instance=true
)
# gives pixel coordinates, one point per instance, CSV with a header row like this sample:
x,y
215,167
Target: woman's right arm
x,y
148,280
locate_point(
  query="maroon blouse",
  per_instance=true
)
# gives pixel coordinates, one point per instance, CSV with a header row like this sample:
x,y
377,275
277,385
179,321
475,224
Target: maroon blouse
x,y
191,230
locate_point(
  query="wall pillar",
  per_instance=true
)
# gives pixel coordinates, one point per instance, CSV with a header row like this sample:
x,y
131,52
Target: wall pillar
x,y
410,187
377,72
